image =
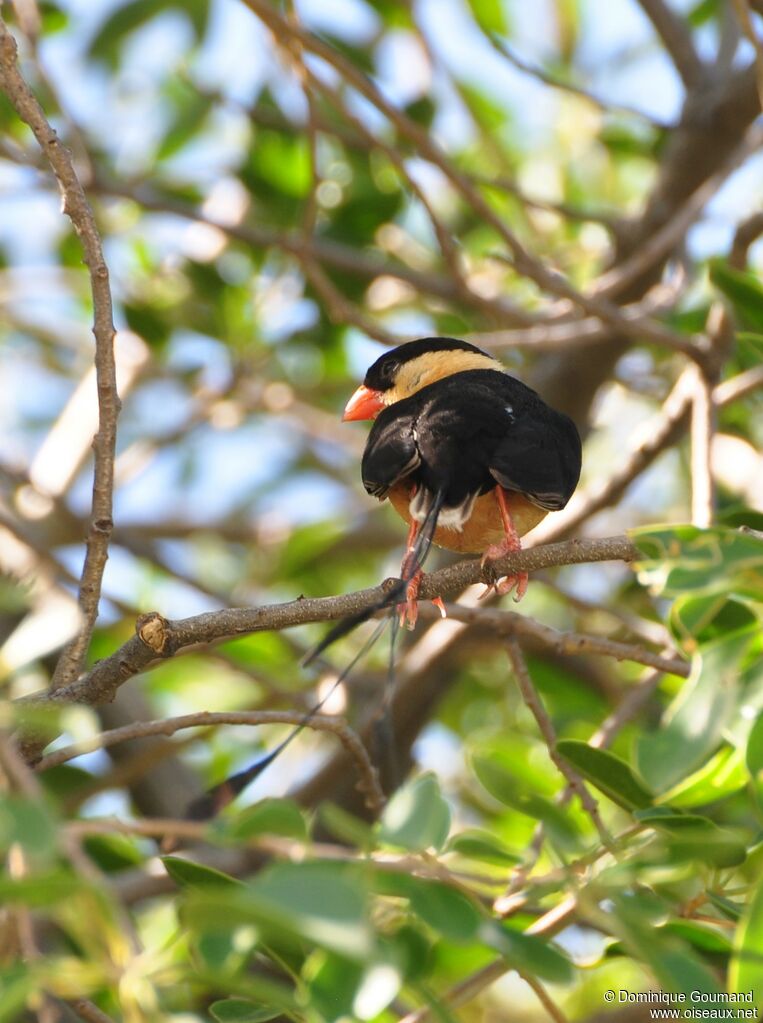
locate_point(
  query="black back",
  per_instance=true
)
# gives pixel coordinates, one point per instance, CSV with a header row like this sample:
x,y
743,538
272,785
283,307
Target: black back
x,y
469,431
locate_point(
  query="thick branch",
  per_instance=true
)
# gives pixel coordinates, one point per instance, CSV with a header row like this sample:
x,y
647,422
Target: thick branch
x,y
77,208
157,638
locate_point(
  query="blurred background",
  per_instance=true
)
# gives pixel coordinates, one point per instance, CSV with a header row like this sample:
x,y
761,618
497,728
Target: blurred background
x,y
275,212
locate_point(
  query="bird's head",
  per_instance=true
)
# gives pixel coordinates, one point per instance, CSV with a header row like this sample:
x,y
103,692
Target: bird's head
x,y
401,372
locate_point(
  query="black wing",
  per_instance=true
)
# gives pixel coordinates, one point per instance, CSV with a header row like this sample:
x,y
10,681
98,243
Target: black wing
x,y
469,431
391,453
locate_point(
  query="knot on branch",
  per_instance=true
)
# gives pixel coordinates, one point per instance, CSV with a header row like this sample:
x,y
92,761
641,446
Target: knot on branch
x,y
154,631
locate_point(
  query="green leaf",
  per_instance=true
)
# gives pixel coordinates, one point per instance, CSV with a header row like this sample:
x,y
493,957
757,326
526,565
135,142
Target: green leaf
x,y
481,845
443,908
28,822
746,969
701,936
743,290
269,817
674,964
695,837
608,773
529,953
127,18
694,723
731,910
40,889
721,776
188,874
505,787
240,1010
319,902
489,15
754,754
417,816
684,558
346,827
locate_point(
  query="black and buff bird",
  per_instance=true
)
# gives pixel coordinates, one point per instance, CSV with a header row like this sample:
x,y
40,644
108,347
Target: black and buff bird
x,y
453,428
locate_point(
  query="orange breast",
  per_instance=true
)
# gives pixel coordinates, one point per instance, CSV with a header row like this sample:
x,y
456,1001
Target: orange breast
x,y
484,526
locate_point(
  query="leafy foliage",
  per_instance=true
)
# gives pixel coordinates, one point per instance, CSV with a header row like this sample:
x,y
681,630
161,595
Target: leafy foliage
x,y
275,207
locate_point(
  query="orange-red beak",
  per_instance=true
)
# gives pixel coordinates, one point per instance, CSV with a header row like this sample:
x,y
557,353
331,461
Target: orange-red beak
x,y
364,404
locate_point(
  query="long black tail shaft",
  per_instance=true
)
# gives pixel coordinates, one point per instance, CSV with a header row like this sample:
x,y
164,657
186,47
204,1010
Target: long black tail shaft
x,y
220,795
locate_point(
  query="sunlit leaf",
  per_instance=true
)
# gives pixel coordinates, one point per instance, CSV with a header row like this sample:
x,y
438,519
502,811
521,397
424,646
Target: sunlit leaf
x,y
746,970
417,816
694,724
239,1010
607,772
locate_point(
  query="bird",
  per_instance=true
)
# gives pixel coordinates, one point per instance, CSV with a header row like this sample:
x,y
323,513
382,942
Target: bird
x,y
457,439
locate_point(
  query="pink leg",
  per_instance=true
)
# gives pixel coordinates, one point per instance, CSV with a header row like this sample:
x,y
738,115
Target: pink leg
x,y
409,611
508,545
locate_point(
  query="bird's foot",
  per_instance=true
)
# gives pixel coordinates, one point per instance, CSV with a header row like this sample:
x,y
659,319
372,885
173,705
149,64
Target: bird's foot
x,y
506,584
409,611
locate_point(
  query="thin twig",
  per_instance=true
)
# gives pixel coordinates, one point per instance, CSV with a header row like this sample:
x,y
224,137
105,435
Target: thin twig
x,y
534,703
702,429
88,1011
205,719
658,434
509,623
549,924
77,208
675,34
520,259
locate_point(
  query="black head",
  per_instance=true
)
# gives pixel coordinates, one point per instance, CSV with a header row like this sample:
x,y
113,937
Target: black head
x,y
382,374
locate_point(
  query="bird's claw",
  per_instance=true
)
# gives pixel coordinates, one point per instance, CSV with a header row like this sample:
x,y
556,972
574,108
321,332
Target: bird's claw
x,y
507,583
408,612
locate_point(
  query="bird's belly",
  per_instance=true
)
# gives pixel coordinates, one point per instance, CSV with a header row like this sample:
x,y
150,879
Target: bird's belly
x,y
483,527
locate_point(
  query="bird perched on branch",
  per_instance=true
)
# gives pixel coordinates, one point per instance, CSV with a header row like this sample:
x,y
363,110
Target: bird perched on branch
x,y
454,434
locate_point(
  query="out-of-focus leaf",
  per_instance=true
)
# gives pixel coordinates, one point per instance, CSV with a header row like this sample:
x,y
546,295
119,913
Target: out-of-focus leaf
x,y
674,964
682,559
240,1010
746,969
731,910
188,874
489,15
607,772
417,816
113,852
504,787
721,776
40,889
701,619
345,826
443,908
481,845
128,17
743,290
701,936
28,822
696,837
694,723
529,953
17,982
324,903
268,817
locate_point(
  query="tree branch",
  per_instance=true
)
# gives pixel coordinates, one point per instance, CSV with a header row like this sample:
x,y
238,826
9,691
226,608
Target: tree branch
x,y
676,38
368,780
157,638
77,208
